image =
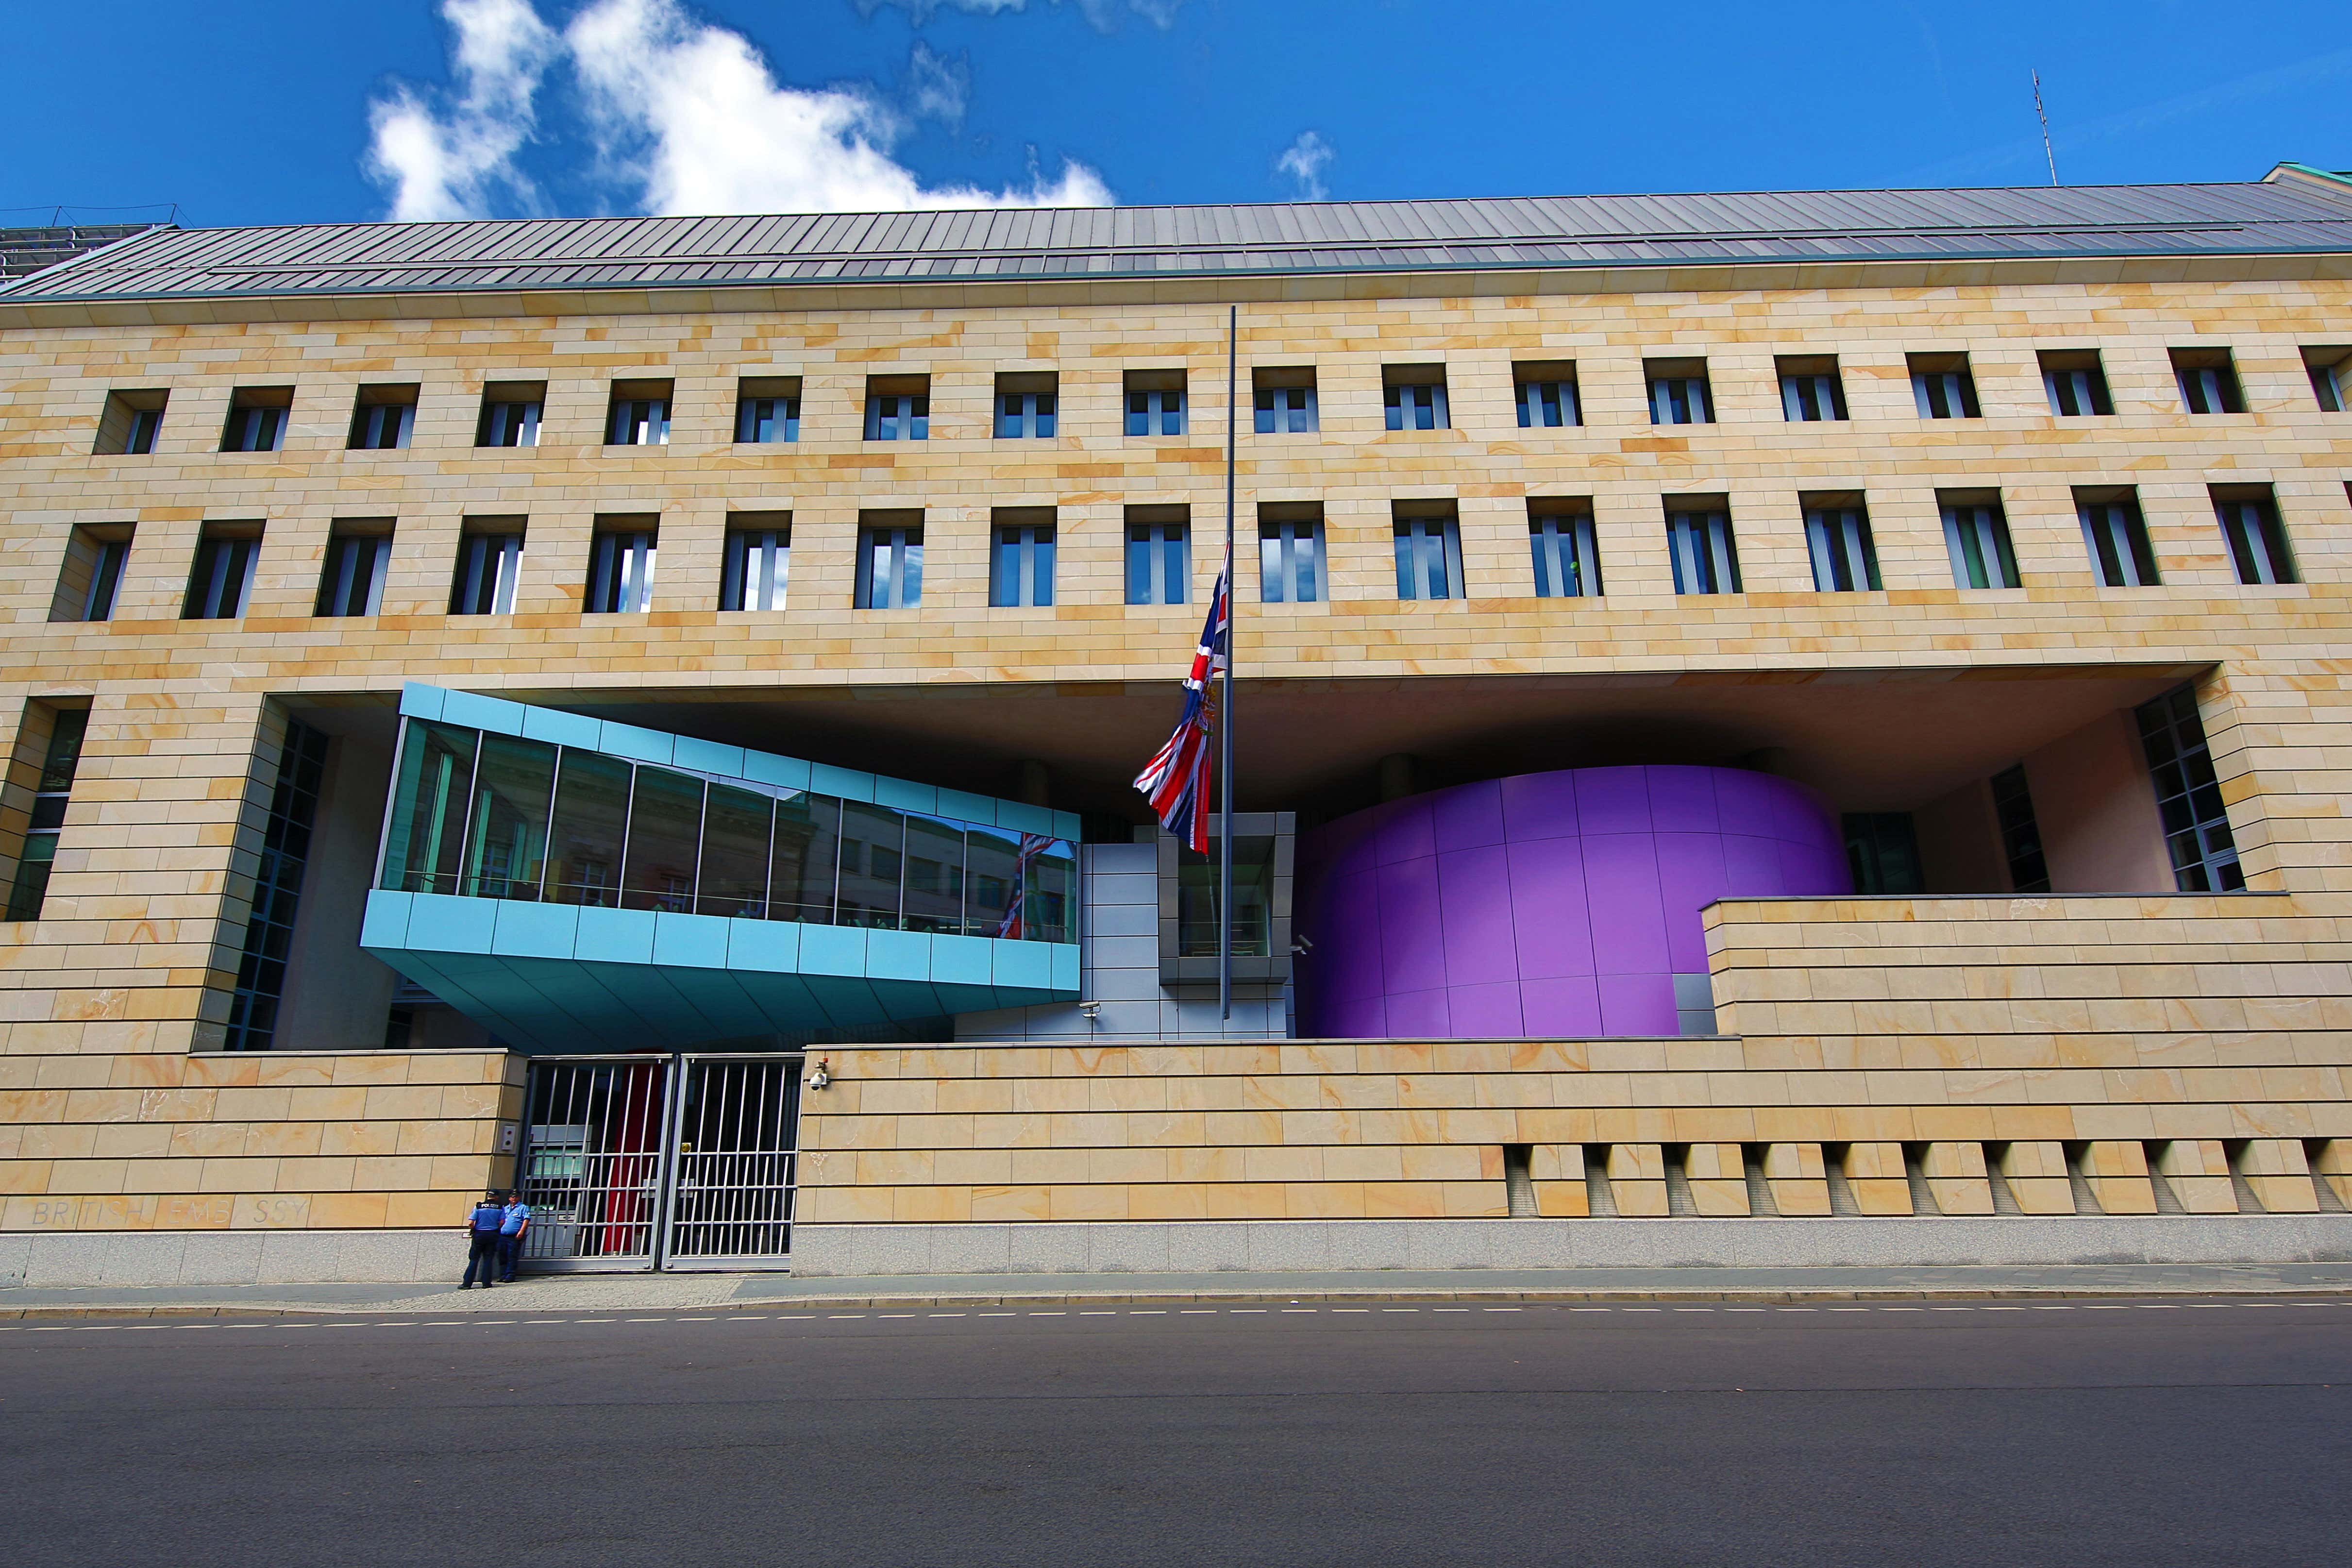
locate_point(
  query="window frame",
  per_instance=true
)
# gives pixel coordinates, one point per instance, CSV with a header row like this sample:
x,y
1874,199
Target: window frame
x,y
2255,535
1291,555
358,558
1838,542
1565,551
500,551
2119,543
621,556
1703,544
757,563
1021,562
1966,537
1164,547
899,585
1426,543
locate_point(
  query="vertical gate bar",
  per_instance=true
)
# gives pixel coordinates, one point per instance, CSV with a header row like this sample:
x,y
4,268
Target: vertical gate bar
x,y
674,1071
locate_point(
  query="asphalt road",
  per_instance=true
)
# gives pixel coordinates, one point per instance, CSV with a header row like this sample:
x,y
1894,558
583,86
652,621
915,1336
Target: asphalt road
x,y
2074,1433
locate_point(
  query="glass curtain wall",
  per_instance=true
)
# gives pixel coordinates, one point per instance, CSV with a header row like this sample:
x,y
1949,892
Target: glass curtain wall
x,y
498,817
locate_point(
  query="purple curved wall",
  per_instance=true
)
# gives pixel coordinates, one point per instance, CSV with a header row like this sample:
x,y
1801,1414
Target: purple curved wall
x,y
1548,905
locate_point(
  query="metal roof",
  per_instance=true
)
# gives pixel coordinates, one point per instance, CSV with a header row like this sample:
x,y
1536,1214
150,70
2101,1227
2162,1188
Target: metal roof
x,y
27,251
2298,212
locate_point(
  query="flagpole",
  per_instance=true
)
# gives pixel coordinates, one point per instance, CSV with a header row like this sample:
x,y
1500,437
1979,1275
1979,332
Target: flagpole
x,y
1225,703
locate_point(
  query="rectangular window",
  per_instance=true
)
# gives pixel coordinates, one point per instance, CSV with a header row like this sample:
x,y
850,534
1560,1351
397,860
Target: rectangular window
x,y
592,814
1025,403
1021,559
2076,383
1415,397
1159,556
873,866
2257,541
1812,392
889,567
1546,390
490,560
1679,393
222,579
1706,556
90,579
506,835
2326,369
2020,833
738,830
383,418
664,842
807,862
256,419
767,410
640,414
1845,560
899,408
2116,537
424,834
277,890
1976,533
1944,386
510,414
1884,852
353,581
1155,402
60,759
1428,558
131,423
2209,381
759,561
1290,553
934,876
2187,795
1567,559
621,566
1285,402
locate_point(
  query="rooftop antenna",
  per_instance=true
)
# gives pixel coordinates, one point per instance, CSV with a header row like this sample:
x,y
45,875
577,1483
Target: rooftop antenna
x,y
2043,115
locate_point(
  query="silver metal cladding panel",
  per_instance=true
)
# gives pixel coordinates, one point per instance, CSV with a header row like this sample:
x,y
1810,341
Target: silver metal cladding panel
x,y
2277,217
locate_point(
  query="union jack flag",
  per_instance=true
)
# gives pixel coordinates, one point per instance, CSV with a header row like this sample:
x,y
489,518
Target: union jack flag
x,y
1014,926
1176,779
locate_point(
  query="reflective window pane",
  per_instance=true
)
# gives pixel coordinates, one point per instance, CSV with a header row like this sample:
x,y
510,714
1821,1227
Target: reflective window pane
x,y
665,830
873,845
934,875
991,884
1049,894
507,845
591,807
428,809
735,827
807,855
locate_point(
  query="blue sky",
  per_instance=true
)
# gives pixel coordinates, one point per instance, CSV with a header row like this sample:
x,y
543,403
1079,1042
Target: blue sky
x,y
281,111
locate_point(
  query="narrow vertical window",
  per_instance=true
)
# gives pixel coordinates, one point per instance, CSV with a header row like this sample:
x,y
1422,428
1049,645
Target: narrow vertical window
x,y
1428,558
2188,797
131,423
1976,533
2021,832
351,582
1025,404
758,562
383,418
1845,560
91,578
277,890
1290,554
256,419
767,410
1546,394
510,411
1944,386
1706,556
2257,541
1567,559
2116,536
1811,391
1285,402
2208,379
489,560
222,579
1159,558
889,567
1155,402
2326,369
899,408
1414,395
639,416
1679,393
1021,562
621,567
2076,383
60,759
1881,848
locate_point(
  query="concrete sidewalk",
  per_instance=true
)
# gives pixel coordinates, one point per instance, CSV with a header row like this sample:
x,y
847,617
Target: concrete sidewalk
x,y
684,1291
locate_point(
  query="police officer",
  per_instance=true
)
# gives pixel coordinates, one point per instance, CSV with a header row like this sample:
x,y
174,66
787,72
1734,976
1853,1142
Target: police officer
x,y
482,1229
510,1234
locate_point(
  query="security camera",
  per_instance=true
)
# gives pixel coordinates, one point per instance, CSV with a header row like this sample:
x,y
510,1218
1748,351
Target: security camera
x,y
823,1074
1090,1011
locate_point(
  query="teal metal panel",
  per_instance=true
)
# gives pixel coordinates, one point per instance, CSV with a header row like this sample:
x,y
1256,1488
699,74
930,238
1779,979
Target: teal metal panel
x,y
846,782
562,728
1026,966
967,998
1065,974
905,797
784,773
420,702
897,955
453,924
384,921
772,947
1023,818
495,714
963,806
637,745
535,931
708,757
616,936
832,949
1067,825
963,960
691,942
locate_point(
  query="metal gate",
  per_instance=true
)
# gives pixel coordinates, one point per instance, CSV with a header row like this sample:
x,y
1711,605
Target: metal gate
x,y
652,1162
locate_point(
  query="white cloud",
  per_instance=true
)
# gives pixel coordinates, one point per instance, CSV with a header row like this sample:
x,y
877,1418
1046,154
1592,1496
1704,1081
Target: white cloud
x,y
447,165
937,88
690,114
1102,14
1305,161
